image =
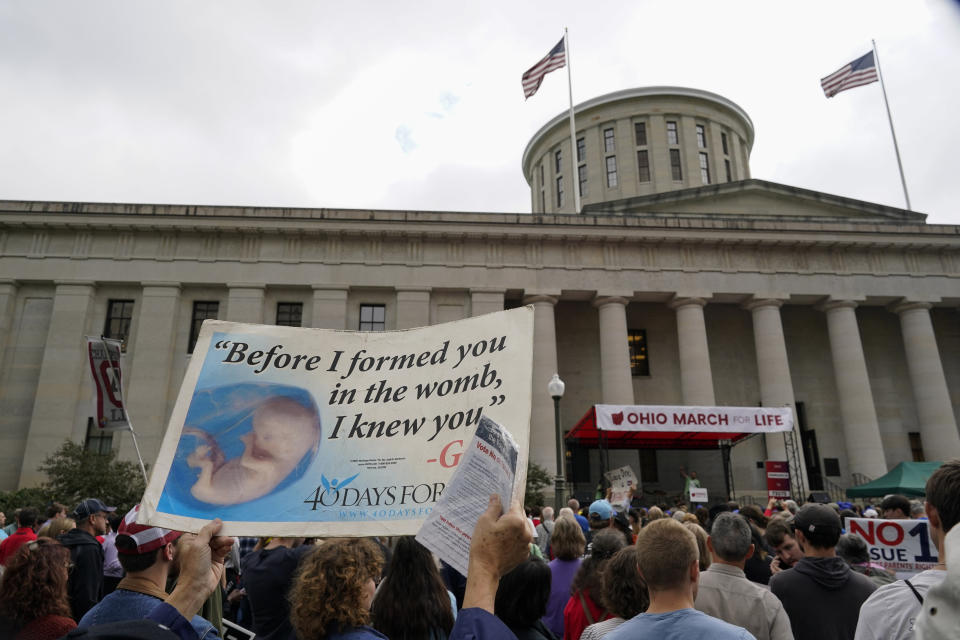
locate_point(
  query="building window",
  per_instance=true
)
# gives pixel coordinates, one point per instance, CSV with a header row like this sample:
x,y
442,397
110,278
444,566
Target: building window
x,y
726,165
373,317
543,200
608,144
202,310
637,343
831,467
541,175
611,171
290,314
640,133
559,191
704,168
643,165
672,133
916,446
97,440
557,161
117,324
701,137
723,143
648,466
581,149
582,179
675,168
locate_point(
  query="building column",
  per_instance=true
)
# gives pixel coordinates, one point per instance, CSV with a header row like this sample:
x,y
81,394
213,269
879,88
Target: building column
x,y
8,298
150,370
938,427
861,431
776,385
485,301
615,379
62,374
413,307
543,439
696,379
329,307
245,303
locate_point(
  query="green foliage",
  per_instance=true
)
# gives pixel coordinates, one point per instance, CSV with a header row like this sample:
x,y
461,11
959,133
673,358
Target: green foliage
x,y
538,479
74,473
36,497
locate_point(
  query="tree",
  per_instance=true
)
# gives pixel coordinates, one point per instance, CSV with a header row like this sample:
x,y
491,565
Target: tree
x,y
537,479
36,497
74,473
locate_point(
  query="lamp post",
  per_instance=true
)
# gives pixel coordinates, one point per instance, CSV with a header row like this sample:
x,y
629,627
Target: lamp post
x,y
555,388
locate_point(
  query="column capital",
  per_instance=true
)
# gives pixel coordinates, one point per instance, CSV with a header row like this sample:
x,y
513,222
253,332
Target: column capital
x,y
413,289
602,301
493,290
757,303
160,284
679,302
830,304
330,287
8,285
539,297
246,285
909,305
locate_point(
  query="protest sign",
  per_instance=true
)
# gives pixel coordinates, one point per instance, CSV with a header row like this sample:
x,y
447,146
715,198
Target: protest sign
x,y
621,480
313,432
103,355
698,494
778,479
903,547
489,466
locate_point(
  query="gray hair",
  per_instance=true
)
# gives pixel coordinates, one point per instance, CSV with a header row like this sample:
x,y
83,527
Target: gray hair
x,y
916,509
547,513
791,506
731,537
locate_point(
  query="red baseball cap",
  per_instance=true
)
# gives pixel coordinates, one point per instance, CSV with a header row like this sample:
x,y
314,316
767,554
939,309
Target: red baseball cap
x,y
145,537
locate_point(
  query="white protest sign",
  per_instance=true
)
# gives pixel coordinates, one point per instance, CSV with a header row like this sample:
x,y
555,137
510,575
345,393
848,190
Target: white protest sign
x,y
488,466
903,547
104,358
313,432
621,480
698,494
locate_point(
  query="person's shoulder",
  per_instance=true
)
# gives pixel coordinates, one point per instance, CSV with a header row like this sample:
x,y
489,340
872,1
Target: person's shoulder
x,y
719,629
204,628
863,583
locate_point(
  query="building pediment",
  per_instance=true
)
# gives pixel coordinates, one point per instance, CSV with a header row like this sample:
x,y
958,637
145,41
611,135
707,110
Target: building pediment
x,y
756,199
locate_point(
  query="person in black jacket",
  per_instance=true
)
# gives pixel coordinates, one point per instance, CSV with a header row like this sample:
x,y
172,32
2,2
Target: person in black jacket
x,y
85,584
522,600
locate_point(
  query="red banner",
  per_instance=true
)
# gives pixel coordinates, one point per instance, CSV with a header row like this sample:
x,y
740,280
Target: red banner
x,y
778,479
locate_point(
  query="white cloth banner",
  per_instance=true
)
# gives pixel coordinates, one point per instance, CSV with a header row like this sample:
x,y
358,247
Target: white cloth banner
x,y
902,547
612,417
311,432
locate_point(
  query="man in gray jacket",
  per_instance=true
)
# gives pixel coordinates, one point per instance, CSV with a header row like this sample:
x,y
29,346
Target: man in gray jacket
x,y
544,531
726,593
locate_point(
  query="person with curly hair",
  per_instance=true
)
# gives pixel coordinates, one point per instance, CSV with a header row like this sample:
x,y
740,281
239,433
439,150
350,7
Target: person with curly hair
x,y
624,593
33,592
334,589
583,608
413,603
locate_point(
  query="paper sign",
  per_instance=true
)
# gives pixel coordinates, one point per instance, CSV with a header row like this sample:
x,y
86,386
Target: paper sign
x,y
104,358
778,479
489,466
698,495
621,480
312,432
903,547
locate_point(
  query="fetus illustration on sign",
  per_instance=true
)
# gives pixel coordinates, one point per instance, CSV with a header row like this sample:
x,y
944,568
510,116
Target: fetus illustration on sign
x,y
248,439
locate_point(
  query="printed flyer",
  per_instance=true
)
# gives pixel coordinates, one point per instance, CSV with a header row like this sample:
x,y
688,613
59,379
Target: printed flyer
x,y
311,432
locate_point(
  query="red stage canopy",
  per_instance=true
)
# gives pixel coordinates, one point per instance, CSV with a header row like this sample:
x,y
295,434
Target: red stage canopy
x,y
692,435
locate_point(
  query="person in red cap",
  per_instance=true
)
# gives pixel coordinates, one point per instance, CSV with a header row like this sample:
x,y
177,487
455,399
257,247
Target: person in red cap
x,y
85,586
149,556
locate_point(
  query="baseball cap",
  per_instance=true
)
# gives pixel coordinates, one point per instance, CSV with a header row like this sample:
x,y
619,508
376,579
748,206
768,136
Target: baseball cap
x,y
89,507
816,517
145,537
602,509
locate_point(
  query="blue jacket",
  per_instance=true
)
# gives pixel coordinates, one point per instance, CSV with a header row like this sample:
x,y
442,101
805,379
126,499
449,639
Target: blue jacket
x,y
122,605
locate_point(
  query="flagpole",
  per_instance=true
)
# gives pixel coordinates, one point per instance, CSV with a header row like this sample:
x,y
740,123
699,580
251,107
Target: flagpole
x,y
886,103
575,179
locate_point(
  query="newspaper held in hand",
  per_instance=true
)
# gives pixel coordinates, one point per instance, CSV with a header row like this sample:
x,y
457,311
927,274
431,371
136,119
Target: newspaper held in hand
x,y
488,466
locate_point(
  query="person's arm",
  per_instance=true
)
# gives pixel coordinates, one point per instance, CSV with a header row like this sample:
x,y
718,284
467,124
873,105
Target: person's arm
x,y
201,567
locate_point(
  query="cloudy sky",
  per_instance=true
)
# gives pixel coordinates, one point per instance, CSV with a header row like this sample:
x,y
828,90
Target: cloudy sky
x,y
418,105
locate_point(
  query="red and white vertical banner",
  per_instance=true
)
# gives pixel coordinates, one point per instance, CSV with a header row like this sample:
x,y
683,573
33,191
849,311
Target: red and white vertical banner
x,y
104,356
778,479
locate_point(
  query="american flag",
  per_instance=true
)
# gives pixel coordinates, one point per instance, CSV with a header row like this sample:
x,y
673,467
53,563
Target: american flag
x,y
861,71
556,59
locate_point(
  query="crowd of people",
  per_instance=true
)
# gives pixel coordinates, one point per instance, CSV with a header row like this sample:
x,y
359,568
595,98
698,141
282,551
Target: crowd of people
x,y
730,571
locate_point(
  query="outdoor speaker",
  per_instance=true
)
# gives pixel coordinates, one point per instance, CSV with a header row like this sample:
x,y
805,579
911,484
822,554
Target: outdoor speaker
x,y
819,496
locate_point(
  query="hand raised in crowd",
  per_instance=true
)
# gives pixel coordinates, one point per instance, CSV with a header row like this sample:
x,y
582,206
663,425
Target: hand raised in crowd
x,y
201,568
500,542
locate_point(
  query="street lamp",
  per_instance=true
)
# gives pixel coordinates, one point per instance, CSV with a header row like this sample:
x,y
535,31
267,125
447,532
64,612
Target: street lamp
x,y
555,388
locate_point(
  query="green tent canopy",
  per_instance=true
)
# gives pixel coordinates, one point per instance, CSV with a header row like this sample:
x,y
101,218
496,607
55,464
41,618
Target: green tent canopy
x,y
907,479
